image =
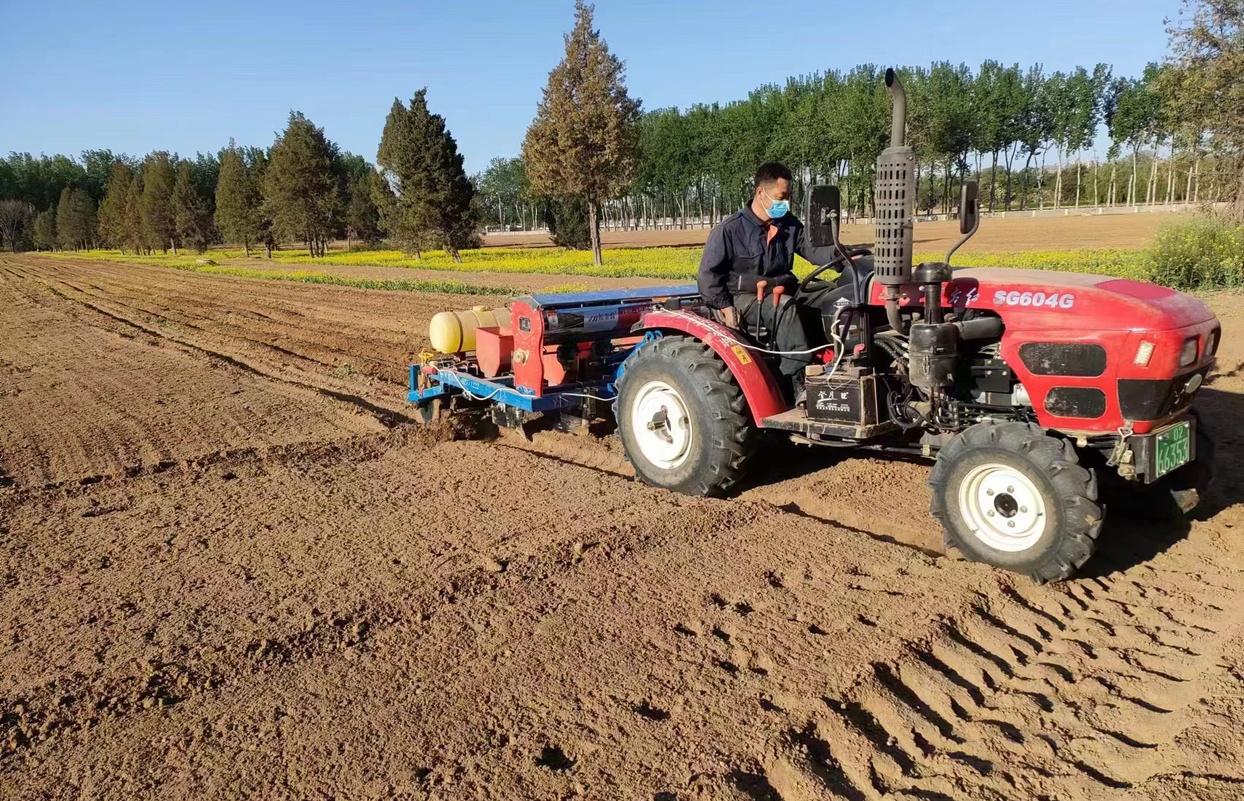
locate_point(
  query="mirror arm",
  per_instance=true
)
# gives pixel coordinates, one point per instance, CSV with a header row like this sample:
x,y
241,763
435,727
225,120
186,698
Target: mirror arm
x,y
964,238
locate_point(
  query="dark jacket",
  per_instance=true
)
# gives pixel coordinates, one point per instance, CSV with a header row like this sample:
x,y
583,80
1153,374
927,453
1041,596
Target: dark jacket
x,y
737,256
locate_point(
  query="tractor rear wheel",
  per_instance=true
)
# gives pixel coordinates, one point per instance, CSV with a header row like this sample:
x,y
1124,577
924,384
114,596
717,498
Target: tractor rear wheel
x,y
1009,495
682,418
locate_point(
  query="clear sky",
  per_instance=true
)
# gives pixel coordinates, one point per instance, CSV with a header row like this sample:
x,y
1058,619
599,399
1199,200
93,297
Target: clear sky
x,y
141,75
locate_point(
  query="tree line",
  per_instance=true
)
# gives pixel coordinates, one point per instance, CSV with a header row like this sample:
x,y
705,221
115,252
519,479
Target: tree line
x,y
303,188
591,155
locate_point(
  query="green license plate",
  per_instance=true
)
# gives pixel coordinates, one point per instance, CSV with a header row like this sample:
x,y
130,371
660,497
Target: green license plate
x,y
1174,448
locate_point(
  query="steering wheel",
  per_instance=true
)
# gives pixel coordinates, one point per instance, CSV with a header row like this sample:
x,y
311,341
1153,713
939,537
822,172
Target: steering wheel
x,y
849,253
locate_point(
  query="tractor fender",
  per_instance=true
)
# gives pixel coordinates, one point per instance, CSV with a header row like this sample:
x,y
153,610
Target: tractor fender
x,y
759,385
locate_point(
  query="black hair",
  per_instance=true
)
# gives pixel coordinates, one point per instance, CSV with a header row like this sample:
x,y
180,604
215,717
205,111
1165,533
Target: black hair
x,y
771,171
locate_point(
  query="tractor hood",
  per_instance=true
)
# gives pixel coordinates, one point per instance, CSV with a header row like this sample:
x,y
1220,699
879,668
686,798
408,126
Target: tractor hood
x,y
1074,300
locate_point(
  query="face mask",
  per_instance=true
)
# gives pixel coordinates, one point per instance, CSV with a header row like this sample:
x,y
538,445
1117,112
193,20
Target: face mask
x,y
777,208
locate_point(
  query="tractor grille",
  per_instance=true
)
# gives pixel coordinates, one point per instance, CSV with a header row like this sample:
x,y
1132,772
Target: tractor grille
x,y
1153,399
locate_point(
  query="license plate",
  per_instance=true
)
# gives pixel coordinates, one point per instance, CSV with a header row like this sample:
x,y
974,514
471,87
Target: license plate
x,y
1174,448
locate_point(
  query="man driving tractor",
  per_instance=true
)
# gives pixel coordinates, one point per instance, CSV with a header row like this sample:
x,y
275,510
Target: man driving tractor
x,y
758,244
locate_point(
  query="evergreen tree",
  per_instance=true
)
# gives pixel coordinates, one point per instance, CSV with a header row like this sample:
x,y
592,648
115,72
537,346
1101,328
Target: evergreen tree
x,y
45,230
238,202
568,224
159,226
132,216
432,193
191,214
112,221
404,167
300,193
362,218
76,220
386,204
584,141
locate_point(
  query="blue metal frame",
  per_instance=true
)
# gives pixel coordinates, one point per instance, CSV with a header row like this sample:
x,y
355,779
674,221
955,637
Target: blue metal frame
x,y
501,391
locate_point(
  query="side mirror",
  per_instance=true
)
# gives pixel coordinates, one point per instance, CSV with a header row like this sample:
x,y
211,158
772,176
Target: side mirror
x,y
969,210
821,217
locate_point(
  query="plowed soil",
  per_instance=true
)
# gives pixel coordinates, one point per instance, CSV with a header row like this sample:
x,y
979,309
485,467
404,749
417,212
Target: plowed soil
x,y
232,567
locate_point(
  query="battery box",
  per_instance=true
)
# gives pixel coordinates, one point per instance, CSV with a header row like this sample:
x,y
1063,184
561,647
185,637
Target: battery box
x,y
848,399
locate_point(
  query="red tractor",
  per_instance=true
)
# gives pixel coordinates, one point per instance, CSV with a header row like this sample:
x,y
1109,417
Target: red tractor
x,y
1023,385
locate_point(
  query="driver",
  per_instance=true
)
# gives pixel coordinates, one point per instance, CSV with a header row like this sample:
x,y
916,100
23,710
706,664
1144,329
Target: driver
x,y
760,242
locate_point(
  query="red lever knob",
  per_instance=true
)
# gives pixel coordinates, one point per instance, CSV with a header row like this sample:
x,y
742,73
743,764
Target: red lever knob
x,y
777,294
760,290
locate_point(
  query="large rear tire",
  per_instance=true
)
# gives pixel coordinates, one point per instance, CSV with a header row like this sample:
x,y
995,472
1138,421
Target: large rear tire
x,y
1009,495
682,418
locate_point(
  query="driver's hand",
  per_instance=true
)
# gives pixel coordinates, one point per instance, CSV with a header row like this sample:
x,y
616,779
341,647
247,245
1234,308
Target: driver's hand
x,y
729,317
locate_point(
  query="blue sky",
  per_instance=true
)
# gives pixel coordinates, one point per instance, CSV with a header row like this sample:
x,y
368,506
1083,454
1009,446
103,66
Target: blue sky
x,y
142,75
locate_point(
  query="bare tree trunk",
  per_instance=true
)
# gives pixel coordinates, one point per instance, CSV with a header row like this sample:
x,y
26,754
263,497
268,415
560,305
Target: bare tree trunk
x,y
1077,183
1131,190
1041,182
1196,185
593,221
1113,186
993,180
1188,187
1058,181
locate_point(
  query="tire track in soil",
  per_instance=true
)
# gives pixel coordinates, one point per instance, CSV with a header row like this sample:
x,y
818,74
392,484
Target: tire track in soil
x,y
1077,690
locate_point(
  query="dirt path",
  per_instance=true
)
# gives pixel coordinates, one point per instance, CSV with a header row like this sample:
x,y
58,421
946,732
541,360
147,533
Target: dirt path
x,y
356,607
998,234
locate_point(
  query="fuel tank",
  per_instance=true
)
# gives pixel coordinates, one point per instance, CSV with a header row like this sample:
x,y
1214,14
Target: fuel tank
x,y
454,331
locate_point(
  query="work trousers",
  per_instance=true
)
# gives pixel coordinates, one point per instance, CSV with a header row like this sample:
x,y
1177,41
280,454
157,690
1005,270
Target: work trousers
x,y
795,324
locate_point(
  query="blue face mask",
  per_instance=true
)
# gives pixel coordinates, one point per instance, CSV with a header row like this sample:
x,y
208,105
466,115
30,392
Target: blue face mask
x,y
777,208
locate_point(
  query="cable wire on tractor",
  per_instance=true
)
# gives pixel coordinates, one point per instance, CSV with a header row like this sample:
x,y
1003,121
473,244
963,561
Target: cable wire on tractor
x,y
1025,387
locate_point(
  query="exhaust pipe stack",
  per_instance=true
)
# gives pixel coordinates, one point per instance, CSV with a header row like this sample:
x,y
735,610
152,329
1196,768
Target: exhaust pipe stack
x,y
894,205
898,117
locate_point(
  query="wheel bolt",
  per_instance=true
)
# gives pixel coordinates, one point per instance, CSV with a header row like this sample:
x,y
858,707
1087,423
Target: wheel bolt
x,y
1023,508
989,492
1011,523
990,513
1010,489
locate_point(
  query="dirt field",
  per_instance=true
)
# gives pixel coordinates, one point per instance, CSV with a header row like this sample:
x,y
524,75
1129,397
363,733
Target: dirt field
x,y
230,567
997,234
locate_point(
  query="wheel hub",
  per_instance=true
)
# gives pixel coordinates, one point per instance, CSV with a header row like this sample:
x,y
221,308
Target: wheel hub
x,y
661,425
1002,507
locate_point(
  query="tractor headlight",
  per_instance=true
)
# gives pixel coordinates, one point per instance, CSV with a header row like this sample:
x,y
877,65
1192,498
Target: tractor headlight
x,y
1143,354
1211,342
1187,354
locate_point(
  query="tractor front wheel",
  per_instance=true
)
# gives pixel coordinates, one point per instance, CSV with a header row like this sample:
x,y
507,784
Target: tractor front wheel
x,y
1009,495
682,418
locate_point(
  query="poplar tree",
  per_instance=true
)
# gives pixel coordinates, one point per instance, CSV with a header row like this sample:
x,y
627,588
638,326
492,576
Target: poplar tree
x,y
300,194
238,214
159,228
584,142
1207,59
